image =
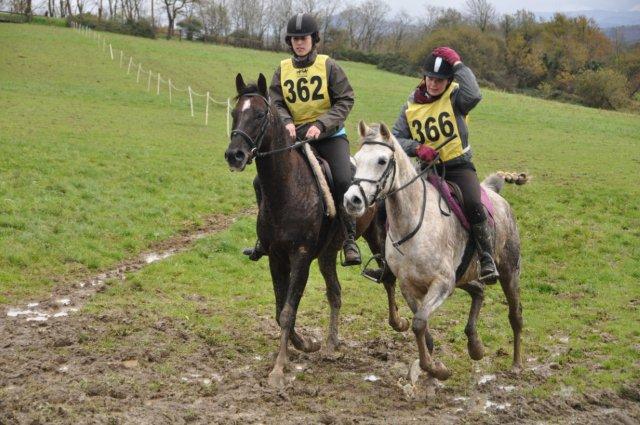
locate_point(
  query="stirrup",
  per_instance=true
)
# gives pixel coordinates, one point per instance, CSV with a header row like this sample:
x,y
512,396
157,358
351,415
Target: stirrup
x,y
372,274
490,274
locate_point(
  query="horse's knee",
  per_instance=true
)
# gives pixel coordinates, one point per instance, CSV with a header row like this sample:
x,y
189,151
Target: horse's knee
x,y
418,325
286,317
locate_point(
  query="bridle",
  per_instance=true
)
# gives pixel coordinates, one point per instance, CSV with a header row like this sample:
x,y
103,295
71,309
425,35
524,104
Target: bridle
x,y
254,145
381,182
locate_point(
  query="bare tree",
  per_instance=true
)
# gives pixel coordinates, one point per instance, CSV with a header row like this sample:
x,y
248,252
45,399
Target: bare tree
x,y
372,14
215,18
173,8
399,27
248,17
481,13
277,17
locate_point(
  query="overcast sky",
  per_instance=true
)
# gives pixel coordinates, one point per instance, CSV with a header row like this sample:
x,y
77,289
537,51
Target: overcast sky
x,y
510,6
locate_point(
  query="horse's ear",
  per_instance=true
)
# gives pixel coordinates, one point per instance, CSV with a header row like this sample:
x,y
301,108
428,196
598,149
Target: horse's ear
x,y
262,85
384,131
363,128
240,85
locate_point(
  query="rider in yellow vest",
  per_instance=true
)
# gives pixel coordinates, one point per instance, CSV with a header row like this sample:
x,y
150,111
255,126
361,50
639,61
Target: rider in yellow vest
x,y
436,110
313,97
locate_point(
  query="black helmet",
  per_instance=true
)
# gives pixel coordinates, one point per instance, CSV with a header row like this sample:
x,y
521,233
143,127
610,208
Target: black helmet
x,y
436,66
300,25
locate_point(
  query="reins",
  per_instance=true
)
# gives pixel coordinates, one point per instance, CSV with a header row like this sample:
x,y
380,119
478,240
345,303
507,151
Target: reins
x,y
255,145
381,182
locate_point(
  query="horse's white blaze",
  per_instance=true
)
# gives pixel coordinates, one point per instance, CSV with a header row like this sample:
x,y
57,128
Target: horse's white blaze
x,y
246,105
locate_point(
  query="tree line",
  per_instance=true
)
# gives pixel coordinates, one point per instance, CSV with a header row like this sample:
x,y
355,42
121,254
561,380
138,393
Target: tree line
x,y
562,58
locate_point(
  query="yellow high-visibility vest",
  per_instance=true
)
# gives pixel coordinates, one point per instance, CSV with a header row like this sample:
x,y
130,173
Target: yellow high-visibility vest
x,y
305,90
433,123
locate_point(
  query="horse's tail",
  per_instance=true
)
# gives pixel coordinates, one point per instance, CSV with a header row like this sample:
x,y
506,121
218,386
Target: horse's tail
x,y
497,180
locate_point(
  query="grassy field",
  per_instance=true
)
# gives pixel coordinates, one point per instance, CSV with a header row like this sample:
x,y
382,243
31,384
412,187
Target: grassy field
x,y
94,170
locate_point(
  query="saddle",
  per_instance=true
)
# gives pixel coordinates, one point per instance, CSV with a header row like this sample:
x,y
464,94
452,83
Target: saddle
x,y
452,195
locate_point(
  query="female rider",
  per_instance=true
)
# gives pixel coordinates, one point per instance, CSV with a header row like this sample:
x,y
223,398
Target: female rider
x,y
313,97
436,110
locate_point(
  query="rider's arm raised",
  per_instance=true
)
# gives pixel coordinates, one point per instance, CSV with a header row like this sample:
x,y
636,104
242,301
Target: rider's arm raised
x,y
468,94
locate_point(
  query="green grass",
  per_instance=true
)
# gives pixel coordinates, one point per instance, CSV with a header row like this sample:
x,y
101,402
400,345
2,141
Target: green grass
x,y
95,169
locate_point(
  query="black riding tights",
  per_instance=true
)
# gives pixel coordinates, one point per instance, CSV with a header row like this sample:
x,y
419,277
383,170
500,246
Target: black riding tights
x,y
464,175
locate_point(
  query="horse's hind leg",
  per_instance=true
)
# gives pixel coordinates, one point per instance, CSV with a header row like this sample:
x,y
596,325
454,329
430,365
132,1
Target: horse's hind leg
x,y
327,264
297,281
509,280
474,344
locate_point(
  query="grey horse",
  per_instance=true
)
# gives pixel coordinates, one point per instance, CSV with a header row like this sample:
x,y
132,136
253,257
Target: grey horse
x,y
431,250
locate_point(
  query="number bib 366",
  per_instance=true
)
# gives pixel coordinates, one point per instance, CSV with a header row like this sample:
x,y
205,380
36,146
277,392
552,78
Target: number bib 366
x,y
305,89
433,123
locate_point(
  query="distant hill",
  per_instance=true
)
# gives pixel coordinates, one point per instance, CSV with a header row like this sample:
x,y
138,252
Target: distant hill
x,y
604,18
628,34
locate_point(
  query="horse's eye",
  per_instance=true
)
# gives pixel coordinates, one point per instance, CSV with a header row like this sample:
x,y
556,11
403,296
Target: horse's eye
x,y
259,115
382,161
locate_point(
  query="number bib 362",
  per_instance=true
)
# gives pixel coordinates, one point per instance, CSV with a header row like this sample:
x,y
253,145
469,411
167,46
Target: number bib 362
x,y
433,123
305,89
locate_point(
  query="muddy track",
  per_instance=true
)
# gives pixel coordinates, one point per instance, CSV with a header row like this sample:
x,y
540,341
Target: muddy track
x,y
68,297
49,374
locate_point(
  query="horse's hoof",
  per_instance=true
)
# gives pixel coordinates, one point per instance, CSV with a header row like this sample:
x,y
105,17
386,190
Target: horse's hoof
x,y
476,350
276,380
439,371
401,326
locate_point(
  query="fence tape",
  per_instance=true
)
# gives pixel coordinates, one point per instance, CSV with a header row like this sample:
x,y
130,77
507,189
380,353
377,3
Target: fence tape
x,y
85,30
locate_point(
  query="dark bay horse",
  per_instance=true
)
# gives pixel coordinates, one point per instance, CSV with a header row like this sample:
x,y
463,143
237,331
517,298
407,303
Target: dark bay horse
x,y
292,226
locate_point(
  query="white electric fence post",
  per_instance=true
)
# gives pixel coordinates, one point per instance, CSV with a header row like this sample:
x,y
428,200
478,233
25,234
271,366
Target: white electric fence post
x,y
111,51
149,81
139,69
158,89
130,62
121,58
191,100
169,91
206,111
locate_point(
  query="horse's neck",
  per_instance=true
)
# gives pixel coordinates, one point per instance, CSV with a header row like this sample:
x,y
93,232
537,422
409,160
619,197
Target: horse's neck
x,y
405,206
276,170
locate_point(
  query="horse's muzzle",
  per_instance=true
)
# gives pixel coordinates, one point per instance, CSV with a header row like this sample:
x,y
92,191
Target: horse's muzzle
x,y
353,202
236,158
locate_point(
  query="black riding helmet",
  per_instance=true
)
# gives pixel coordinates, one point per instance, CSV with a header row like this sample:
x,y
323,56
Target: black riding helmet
x,y
302,24
435,66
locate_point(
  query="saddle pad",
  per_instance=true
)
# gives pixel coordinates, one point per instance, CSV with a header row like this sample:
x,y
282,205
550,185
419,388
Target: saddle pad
x,y
454,204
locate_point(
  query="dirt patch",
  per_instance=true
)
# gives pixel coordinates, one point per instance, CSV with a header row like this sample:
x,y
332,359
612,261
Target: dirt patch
x,y
68,297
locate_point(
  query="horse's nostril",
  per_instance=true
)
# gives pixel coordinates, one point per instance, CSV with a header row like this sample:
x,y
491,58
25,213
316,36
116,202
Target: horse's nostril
x,y
356,200
239,155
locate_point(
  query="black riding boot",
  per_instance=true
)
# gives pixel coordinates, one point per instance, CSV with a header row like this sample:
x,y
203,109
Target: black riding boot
x,y
256,252
349,248
481,234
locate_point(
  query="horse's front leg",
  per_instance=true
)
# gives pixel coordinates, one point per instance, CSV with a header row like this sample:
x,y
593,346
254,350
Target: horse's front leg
x,y
375,236
327,263
438,291
300,262
474,344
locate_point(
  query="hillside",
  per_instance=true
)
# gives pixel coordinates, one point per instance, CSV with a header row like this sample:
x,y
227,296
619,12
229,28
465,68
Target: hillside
x,y
95,169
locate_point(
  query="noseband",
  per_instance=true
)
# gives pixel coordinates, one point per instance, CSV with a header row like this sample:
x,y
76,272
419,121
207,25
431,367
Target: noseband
x,y
382,181
254,145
